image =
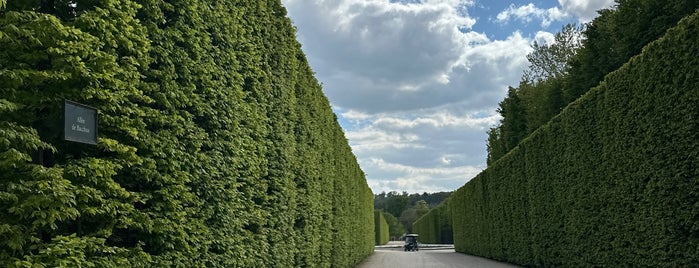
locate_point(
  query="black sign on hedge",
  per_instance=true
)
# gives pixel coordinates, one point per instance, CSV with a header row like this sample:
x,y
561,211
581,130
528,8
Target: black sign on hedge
x,y
80,123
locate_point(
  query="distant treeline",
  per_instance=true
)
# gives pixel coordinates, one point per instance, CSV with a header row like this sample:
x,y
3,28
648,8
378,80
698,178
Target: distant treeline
x,y
395,203
402,209
217,147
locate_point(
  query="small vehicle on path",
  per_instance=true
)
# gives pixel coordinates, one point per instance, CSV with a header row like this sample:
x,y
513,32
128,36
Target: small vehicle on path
x,y
411,243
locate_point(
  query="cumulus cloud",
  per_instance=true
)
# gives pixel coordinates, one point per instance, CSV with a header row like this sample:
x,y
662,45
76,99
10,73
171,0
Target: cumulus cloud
x,y
528,13
417,180
414,86
544,38
439,149
377,56
585,10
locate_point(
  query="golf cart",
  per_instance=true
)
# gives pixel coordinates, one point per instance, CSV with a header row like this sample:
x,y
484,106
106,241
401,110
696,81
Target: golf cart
x,y
411,243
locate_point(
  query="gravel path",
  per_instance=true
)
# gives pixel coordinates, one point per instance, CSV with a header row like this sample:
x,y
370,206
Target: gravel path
x,y
393,255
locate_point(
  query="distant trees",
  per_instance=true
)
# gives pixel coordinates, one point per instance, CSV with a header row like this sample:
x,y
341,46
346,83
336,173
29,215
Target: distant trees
x,y
576,61
392,202
395,203
410,215
406,208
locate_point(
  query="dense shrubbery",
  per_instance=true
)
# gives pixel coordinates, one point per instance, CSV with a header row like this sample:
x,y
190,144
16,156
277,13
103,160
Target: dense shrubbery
x,y
217,146
578,60
380,228
610,182
435,227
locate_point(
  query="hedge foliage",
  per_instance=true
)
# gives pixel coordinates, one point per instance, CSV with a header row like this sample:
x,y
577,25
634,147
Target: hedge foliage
x,y
610,182
435,227
380,228
217,147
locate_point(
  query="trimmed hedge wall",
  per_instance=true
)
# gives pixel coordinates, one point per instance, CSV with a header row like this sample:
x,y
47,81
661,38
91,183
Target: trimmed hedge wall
x,y
435,227
217,147
612,181
380,228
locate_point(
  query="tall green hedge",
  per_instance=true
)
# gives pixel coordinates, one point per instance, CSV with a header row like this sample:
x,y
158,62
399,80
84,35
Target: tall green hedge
x,y
380,228
435,227
217,147
610,182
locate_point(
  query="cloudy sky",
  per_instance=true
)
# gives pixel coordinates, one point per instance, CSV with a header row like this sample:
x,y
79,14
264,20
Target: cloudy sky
x,y
416,83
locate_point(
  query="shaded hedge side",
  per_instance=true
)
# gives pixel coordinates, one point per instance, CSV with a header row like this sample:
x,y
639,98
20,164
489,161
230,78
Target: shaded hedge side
x,y
217,147
612,181
435,227
380,228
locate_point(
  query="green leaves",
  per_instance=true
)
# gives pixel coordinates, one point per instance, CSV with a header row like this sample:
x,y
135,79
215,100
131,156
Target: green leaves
x,y
560,73
619,34
216,145
611,181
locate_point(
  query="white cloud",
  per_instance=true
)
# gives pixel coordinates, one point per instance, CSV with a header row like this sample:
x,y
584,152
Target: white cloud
x,y
416,180
376,56
432,148
370,139
555,14
355,115
382,37
439,119
585,10
527,13
524,13
414,87
413,84
544,38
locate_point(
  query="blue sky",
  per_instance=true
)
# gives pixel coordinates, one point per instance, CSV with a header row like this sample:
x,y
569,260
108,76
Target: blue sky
x,y
416,83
